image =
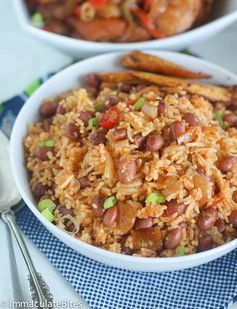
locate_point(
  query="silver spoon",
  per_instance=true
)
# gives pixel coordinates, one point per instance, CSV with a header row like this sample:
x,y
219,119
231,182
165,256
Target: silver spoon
x,y
9,197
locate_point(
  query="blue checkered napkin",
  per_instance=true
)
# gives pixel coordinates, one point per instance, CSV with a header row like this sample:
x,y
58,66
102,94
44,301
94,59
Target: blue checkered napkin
x,y
211,286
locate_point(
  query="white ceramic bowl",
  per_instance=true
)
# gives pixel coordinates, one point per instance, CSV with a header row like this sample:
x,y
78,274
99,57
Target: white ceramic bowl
x,y
71,78
224,13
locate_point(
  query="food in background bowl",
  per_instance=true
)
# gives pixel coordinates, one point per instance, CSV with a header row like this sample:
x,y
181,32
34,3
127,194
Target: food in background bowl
x,y
117,20
138,163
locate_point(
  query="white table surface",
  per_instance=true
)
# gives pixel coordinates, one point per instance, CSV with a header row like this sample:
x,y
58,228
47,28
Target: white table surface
x,y
23,59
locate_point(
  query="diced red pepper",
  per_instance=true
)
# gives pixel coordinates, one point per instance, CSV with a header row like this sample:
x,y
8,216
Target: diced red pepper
x,y
148,24
130,102
110,118
97,3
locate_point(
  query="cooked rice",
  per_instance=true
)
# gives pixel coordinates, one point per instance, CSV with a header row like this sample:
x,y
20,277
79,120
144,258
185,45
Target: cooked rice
x,y
170,171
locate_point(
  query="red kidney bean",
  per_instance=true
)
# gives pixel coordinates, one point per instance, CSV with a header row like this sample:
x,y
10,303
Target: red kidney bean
x,y
191,119
126,170
207,219
154,142
162,109
48,109
65,211
143,223
126,87
111,101
172,207
227,164
220,224
41,153
232,107
84,182
46,124
202,172
233,219
98,137
234,196
204,243
231,119
72,132
119,134
173,239
93,80
139,141
60,110
176,129
40,190
85,117
98,205
110,216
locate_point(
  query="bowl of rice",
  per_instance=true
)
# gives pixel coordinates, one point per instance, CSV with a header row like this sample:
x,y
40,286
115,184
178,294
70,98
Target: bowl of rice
x,y
133,169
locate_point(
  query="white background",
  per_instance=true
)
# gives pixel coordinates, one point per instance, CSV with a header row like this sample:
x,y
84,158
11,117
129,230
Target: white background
x,y
22,60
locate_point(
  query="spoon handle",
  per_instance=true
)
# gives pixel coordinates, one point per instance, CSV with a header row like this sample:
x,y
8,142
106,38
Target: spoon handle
x,y
39,289
17,290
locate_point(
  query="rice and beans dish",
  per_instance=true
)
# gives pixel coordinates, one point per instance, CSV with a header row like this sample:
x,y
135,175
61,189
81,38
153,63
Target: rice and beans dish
x,y
138,163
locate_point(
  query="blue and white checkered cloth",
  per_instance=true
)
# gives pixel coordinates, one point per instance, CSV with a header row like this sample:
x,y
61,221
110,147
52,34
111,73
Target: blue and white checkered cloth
x,y
210,286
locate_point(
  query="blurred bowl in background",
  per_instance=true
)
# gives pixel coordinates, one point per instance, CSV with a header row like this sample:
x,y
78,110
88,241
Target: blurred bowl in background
x,y
223,14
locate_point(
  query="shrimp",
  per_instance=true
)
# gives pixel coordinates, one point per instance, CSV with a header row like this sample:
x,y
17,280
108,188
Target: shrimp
x,y
134,33
174,16
99,29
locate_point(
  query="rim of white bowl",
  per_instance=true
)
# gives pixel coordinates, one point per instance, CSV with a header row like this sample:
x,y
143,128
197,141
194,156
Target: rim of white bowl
x,y
213,25
77,242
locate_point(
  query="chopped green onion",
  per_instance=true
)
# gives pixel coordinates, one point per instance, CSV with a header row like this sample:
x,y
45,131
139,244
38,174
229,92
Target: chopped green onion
x,y
180,251
218,117
98,107
110,202
139,103
41,144
46,203
37,20
93,122
155,198
49,143
48,215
